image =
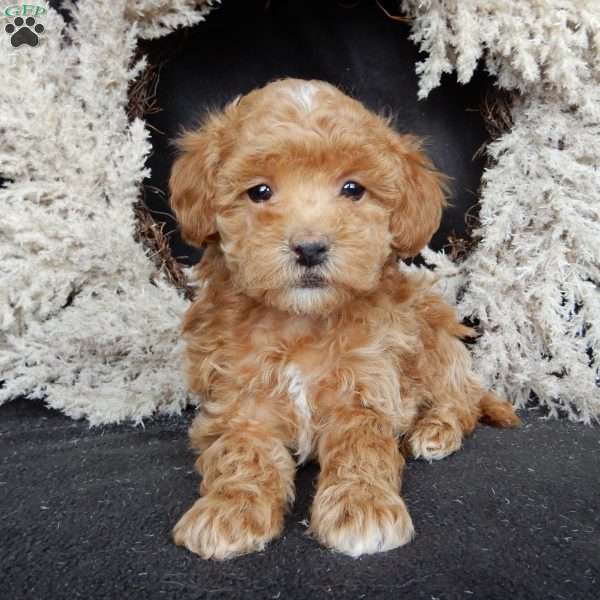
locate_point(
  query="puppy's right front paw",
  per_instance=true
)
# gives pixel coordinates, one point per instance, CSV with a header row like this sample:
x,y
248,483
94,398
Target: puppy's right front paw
x,y
222,527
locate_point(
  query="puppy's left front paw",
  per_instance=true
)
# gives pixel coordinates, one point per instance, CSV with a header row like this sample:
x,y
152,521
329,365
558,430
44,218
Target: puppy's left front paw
x,y
357,518
434,439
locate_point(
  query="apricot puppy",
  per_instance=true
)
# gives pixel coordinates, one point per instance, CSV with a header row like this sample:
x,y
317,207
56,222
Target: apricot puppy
x,y
305,340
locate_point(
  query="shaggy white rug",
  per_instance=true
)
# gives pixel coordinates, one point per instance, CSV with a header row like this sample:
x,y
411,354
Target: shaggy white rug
x,y
88,323
532,281
85,320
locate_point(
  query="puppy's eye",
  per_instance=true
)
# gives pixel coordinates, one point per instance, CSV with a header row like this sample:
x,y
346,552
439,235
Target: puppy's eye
x,y
260,193
352,190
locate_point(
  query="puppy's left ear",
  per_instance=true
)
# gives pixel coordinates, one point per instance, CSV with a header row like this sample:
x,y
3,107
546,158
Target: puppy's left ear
x,y
422,192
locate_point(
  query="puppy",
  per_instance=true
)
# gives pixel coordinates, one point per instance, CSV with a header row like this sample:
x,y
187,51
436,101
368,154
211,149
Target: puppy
x,y
305,340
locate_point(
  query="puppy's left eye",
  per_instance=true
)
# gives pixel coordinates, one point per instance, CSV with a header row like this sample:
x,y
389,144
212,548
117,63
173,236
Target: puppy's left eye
x,y
352,190
260,193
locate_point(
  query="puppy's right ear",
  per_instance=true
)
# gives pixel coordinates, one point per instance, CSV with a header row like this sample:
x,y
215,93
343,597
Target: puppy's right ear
x,y
192,182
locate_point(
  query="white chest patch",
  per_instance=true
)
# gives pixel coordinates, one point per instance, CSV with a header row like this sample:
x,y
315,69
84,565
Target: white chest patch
x,y
299,397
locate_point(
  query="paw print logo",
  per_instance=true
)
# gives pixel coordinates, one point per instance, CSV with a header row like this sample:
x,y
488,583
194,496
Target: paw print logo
x,y
24,31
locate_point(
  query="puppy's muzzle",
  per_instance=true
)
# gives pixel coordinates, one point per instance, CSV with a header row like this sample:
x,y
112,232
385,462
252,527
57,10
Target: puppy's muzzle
x,y
310,253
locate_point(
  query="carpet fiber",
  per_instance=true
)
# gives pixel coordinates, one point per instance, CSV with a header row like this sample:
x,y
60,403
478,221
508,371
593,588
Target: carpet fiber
x,y
87,513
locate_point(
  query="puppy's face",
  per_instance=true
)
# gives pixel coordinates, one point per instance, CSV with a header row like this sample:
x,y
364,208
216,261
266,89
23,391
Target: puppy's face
x,y
309,193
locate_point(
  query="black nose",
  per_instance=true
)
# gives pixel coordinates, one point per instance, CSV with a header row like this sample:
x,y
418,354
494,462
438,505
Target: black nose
x,y
310,254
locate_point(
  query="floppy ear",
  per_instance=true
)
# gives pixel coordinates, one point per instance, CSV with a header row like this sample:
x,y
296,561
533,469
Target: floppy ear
x,y
192,182
418,211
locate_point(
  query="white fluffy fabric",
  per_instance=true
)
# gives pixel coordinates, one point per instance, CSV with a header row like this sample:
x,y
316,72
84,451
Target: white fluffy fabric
x,y
85,321
526,44
532,281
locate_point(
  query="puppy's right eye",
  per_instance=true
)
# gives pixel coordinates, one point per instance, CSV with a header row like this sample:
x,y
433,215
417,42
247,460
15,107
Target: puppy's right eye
x,y
260,193
352,190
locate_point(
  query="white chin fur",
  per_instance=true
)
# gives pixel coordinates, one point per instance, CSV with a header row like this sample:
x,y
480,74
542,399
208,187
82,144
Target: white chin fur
x,y
308,300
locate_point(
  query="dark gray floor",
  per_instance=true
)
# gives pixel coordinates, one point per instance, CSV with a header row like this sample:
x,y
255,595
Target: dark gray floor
x,y
87,513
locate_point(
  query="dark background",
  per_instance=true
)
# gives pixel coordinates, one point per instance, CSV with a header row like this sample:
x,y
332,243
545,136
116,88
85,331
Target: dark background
x,y
243,45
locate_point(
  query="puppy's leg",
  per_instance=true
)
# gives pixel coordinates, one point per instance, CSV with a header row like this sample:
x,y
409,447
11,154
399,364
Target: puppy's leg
x,y
452,407
440,430
456,402
357,508
248,480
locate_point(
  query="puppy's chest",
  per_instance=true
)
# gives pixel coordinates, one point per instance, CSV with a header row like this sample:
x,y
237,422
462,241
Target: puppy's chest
x,y
301,352
316,365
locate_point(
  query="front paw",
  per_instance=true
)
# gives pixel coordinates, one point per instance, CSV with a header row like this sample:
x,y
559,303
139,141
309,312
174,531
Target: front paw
x,y
358,518
220,527
434,439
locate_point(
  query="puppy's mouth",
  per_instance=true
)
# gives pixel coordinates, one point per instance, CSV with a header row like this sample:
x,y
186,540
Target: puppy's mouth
x,y
311,281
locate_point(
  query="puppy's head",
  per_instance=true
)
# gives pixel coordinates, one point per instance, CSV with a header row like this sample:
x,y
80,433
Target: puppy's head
x,y
308,192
